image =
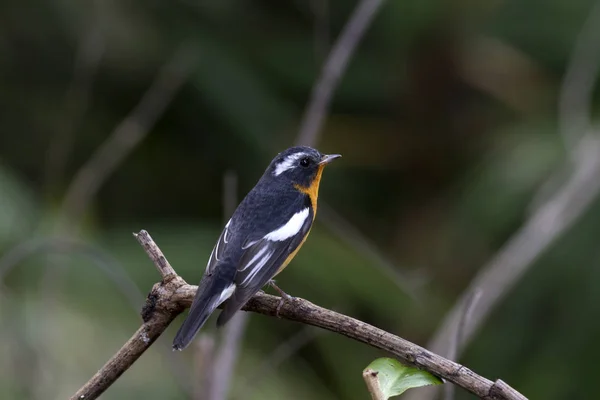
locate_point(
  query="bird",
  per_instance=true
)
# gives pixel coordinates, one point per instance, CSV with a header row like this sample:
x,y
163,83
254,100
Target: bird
x,y
263,235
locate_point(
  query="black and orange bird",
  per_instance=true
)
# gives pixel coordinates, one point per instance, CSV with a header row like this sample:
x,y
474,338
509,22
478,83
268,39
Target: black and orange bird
x,y
264,234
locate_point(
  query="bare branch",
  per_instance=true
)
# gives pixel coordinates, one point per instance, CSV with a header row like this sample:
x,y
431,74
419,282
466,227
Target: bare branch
x,y
335,66
158,258
554,216
168,298
204,349
127,135
222,369
229,349
459,338
370,378
538,233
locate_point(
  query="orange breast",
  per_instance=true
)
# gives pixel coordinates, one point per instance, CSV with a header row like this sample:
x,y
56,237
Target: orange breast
x,y
313,192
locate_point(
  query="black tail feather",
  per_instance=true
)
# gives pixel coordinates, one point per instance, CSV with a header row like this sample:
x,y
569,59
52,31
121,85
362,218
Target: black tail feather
x,y
208,298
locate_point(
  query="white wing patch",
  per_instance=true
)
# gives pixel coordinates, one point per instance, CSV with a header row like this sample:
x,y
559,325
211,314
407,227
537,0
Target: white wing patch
x,y
226,293
291,228
288,163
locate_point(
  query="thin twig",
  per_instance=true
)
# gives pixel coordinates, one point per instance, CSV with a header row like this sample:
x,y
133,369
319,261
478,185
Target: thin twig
x,y
553,217
168,298
318,106
335,66
459,338
204,349
539,232
222,369
224,362
127,135
370,378
101,259
165,269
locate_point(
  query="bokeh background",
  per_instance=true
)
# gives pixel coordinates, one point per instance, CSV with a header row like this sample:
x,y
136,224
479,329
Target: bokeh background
x,y
453,137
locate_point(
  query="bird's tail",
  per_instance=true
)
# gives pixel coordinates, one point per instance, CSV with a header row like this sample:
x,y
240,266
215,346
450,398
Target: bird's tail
x,y
213,290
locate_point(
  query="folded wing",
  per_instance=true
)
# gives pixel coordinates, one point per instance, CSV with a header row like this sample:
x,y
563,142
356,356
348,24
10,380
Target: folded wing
x,y
263,257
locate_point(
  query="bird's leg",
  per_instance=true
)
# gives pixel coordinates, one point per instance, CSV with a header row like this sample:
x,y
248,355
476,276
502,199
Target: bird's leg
x,y
284,297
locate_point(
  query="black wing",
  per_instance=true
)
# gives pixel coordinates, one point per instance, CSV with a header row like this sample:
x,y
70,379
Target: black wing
x,y
260,262
219,251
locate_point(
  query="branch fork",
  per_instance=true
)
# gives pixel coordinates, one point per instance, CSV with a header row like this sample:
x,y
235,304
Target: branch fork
x,y
172,295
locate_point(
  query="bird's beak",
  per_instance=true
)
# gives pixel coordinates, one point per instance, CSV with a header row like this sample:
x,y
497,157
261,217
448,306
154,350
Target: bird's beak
x,y
327,158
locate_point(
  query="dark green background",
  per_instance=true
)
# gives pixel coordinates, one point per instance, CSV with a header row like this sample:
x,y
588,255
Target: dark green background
x,y
447,121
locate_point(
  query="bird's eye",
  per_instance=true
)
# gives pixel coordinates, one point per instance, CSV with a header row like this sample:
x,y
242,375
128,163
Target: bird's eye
x,y
305,162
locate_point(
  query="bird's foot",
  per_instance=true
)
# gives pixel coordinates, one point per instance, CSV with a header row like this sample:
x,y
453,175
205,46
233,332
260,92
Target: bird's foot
x,y
283,299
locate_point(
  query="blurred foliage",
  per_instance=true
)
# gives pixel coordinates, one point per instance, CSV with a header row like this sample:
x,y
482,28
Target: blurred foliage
x,y
446,119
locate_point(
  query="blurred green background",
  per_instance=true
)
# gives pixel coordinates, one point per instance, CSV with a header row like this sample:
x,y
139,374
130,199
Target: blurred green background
x,y
447,121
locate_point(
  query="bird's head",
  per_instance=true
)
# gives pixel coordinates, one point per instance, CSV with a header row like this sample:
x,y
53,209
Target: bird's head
x,y
301,166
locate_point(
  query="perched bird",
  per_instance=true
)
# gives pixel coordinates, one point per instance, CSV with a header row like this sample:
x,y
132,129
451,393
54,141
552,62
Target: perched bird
x,y
261,238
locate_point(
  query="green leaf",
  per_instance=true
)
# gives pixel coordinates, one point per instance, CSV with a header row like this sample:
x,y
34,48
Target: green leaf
x,y
386,377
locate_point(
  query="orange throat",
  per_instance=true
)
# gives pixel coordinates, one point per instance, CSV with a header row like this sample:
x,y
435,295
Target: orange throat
x,y
313,190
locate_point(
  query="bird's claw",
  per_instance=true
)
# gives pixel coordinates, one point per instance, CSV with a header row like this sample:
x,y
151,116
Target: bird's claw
x,y
283,299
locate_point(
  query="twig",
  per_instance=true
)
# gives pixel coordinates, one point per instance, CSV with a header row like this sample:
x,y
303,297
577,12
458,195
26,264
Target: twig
x,y
168,298
370,378
310,127
540,231
459,338
164,268
204,348
157,314
556,215
127,135
229,349
222,369
102,260
335,66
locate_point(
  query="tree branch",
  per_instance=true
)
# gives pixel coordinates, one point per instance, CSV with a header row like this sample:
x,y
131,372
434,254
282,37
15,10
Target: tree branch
x,y
335,66
575,185
227,354
169,297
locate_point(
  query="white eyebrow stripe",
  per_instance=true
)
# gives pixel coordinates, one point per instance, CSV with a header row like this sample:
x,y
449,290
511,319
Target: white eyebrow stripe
x,y
291,228
288,163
